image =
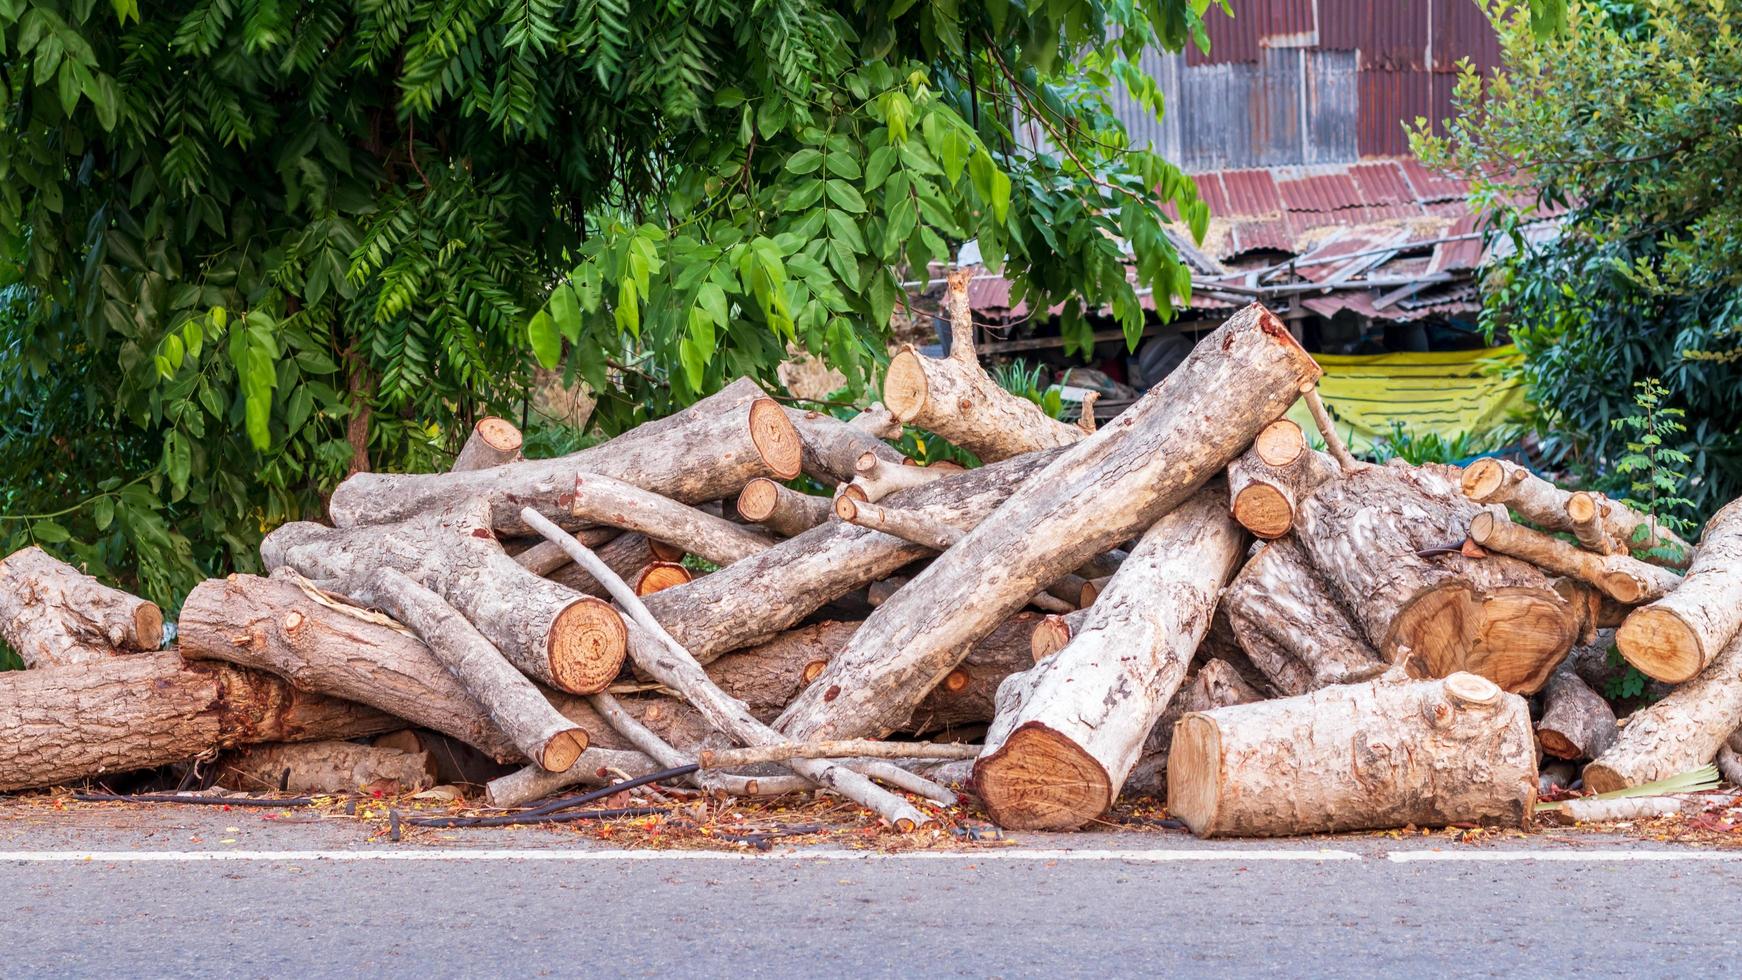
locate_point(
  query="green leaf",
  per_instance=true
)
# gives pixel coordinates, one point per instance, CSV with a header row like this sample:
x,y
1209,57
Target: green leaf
x,y
103,512
49,532
804,161
565,312
712,299
846,196
545,338
883,160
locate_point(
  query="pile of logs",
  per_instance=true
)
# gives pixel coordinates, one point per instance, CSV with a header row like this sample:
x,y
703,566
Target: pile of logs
x,y
1190,600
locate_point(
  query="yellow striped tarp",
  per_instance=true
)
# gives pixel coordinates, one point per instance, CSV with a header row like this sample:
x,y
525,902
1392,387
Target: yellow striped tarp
x,y
1445,392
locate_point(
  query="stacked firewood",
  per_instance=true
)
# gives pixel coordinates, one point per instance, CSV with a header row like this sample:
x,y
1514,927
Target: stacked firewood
x,y
1086,614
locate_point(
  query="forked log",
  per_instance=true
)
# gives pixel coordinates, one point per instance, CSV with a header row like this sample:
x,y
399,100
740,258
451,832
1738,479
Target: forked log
x,y
493,442
603,500
1267,481
1070,729
704,452
781,509
1290,625
1356,757
830,448
1677,636
1622,577
954,397
570,641
53,615
1681,732
59,724
1499,481
906,525
876,477
330,766
1612,527
1576,722
1215,684
1096,494
661,575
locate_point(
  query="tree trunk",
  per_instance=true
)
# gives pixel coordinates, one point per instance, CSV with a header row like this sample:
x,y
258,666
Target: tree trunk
x,y
1095,495
53,614
493,442
513,703
781,509
1614,528
954,397
1291,626
570,641
705,452
1576,722
60,724
1621,577
1496,616
1356,757
830,447
603,500
1681,732
1266,482
325,767
1675,637
1215,684
1059,751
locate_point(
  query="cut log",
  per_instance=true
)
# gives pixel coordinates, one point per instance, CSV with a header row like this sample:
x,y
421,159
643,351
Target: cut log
x,y
1497,617
595,767
59,724
53,614
661,575
603,500
954,397
830,447
1681,732
513,703
781,509
906,525
670,758
493,442
876,476
1074,725
1266,482
625,554
1356,757
1498,481
1621,577
325,767
1675,637
705,452
1096,494
1576,722
846,748
1291,627
570,641
1215,684
1612,527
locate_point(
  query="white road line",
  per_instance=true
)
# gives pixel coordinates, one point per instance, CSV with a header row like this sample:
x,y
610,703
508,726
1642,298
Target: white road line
x,y
458,854
1569,856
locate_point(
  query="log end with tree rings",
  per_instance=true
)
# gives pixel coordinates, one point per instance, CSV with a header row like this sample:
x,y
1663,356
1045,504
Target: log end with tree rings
x,y
1515,637
588,642
1041,780
660,575
1482,478
1049,637
499,434
1582,507
756,501
904,385
562,750
775,438
1264,510
1661,645
1280,443
1193,766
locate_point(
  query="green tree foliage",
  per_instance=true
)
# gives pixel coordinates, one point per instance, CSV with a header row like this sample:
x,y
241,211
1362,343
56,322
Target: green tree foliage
x,y
248,245
1630,120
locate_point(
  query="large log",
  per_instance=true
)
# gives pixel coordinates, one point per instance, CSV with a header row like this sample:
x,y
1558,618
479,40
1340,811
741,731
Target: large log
x,y
1681,732
1266,482
1290,625
53,614
1495,616
704,452
492,442
1070,729
1356,757
1214,684
616,503
1621,577
954,397
1576,722
59,724
1096,494
1675,637
572,642
325,767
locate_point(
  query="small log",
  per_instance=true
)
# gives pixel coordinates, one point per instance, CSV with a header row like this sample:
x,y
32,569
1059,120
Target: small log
x,y
325,767
513,703
954,397
1612,527
781,509
1356,757
1070,730
626,554
1290,625
1215,684
52,614
831,447
1621,577
595,767
1576,722
1498,481
1677,636
603,500
1604,811
875,476
668,757
1266,482
843,749
906,525
1093,496
1339,452
661,575
704,452
1681,732
493,442
456,763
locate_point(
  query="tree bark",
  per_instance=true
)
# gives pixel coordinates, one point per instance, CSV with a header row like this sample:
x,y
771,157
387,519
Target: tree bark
x,y
1215,684
830,447
1681,732
59,724
1290,625
781,509
1497,617
1095,495
53,614
904,524
493,442
1075,723
1576,722
954,397
570,641
1612,527
705,452
325,767
1356,757
603,500
1621,577
668,757
1677,636
1267,481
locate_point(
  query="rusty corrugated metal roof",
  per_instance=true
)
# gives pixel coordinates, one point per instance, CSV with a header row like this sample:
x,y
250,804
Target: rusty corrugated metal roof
x,y
1323,192
1382,183
1250,192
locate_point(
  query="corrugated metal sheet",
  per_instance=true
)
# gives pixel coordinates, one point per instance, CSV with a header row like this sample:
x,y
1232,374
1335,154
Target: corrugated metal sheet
x,y
1214,140
1233,40
1278,129
1332,103
1461,30
1285,23
1250,192
1382,183
1388,100
1328,192
1430,186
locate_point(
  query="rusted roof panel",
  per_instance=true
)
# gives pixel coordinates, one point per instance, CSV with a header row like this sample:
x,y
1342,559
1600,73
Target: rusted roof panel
x,y
988,292
1251,192
1327,192
1388,100
1460,255
1382,183
1233,40
1283,23
1210,190
1430,186
1332,105
1268,234
1461,30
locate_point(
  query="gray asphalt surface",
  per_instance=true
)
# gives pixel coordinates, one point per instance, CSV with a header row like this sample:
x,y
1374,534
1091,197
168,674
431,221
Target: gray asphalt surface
x,y
1137,911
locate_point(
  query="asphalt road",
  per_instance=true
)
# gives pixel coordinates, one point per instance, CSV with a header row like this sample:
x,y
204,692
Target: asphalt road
x,y
182,895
